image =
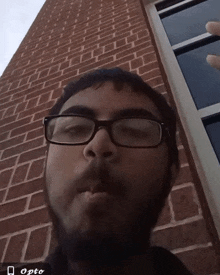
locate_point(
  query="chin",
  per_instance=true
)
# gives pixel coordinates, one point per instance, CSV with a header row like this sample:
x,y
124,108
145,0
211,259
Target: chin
x,y
98,247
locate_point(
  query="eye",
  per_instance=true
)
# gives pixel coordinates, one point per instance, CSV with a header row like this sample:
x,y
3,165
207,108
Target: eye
x,y
135,132
77,129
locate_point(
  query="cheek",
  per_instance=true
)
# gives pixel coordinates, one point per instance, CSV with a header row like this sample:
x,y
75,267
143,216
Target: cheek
x,y
60,169
147,161
62,160
148,168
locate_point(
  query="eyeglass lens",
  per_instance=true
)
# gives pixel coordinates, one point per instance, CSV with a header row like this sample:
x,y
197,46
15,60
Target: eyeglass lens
x,y
138,132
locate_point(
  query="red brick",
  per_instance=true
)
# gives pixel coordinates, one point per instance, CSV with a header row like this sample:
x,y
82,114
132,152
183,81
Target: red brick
x,y
44,73
37,168
182,235
57,93
11,208
184,176
39,152
149,57
97,65
151,74
5,88
1,113
11,142
75,61
184,203
44,90
22,147
15,125
2,247
106,32
98,51
44,98
10,111
144,50
14,249
107,48
143,33
135,63
36,243
7,163
17,72
144,70
54,69
20,173
20,107
201,261
182,156
63,49
31,103
24,81
163,90
131,38
25,189
22,222
5,177
153,82
43,79
14,84
69,77
37,200
35,133
86,56
125,66
2,194
25,93
26,128
165,216
65,65
4,136
7,120
120,42
34,77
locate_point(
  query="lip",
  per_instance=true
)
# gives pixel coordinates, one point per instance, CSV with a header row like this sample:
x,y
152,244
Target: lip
x,y
97,197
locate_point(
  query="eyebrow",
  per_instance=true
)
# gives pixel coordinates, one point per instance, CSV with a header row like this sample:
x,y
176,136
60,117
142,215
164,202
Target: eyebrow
x,y
128,112
79,110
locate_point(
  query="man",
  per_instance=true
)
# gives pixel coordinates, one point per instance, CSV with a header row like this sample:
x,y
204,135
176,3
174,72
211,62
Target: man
x,y
111,162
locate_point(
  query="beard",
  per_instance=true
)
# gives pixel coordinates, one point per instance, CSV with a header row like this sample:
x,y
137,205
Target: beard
x,y
111,248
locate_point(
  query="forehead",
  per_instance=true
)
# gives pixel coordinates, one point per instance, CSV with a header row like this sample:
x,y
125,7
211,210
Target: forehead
x,y
105,101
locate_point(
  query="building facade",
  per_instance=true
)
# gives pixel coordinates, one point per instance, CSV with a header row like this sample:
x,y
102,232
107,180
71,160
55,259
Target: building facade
x,y
72,37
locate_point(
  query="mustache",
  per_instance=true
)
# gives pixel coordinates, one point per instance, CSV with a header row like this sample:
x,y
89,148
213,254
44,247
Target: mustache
x,y
99,177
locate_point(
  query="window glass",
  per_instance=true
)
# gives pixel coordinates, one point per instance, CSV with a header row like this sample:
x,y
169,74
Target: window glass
x,y
165,4
213,131
203,80
191,22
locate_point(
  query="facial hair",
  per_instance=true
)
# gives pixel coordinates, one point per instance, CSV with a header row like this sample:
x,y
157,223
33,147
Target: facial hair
x,y
110,248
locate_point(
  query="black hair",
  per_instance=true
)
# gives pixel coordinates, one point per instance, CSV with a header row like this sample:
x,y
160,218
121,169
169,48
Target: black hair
x,y
119,78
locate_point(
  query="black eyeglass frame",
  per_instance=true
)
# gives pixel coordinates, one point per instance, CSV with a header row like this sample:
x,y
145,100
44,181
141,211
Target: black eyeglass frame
x,y
107,125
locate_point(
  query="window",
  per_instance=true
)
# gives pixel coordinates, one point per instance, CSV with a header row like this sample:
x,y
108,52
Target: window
x,y
183,44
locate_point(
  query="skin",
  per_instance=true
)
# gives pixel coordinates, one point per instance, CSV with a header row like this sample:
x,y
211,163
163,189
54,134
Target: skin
x,y
131,178
213,28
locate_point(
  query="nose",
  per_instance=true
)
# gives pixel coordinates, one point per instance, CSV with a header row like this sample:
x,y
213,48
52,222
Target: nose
x,y
101,146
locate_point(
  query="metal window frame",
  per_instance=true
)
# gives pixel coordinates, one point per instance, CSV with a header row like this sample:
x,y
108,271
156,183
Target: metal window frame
x,y
205,159
178,7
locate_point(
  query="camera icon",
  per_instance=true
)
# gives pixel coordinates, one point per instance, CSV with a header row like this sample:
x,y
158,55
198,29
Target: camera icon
x,y
10,270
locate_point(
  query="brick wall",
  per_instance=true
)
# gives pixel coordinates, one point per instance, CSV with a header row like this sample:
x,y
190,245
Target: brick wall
x,y
67,39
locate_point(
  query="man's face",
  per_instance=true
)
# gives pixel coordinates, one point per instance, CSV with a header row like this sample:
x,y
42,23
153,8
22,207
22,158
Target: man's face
x,y
100,187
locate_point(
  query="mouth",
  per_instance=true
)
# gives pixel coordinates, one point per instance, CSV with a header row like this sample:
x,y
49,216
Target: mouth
x,y
97,196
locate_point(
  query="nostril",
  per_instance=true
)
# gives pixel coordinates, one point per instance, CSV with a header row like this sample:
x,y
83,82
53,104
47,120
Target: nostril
x,y
91,153
107,154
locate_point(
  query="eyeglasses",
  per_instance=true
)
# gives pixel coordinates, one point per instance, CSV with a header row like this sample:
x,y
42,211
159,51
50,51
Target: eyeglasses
x,y
133,132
